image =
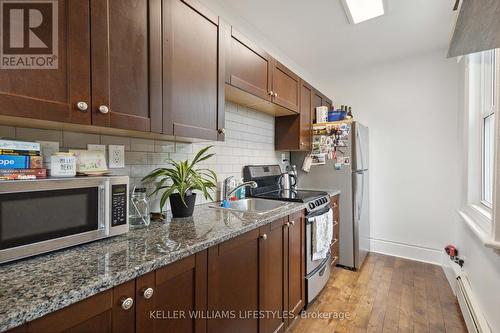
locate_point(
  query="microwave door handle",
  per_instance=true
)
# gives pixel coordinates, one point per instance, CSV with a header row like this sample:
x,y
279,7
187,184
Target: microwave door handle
x,y
103,203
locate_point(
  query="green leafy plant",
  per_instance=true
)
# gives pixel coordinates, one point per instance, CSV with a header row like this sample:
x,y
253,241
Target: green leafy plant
x,y
185,177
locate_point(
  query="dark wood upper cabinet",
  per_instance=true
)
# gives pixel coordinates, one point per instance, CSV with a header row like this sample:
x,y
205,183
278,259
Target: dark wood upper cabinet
x,y
178,288
294,132
286,87
248,67
125,69
53,94
193,71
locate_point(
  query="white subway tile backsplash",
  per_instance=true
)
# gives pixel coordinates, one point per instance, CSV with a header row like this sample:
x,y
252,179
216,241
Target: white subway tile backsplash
x,y
142,145
7,132
249,140
39,134
116,140
79,140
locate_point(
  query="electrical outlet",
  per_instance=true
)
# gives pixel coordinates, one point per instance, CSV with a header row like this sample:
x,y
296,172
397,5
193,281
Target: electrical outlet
x,y
283,158
116,156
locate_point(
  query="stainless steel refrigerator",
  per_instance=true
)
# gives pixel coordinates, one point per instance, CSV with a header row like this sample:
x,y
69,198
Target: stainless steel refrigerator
x,y
352,180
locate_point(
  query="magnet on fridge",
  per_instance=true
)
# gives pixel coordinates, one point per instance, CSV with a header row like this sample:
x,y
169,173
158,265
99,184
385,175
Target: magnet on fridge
x,y
347,160
338,166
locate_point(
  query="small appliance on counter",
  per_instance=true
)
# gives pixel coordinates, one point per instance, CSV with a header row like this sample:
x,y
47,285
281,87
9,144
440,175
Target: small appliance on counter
x,y
317,271
38,216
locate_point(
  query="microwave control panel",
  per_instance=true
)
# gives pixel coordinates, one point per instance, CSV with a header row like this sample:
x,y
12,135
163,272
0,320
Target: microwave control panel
x,y
118,205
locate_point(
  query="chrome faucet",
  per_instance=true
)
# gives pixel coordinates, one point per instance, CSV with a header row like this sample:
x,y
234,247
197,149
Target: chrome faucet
x,y
227,191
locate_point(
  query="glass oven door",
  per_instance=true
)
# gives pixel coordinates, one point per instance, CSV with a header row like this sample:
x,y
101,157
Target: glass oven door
x,y
44,215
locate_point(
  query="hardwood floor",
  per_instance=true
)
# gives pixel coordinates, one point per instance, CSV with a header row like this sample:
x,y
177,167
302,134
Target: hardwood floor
x,y
387,295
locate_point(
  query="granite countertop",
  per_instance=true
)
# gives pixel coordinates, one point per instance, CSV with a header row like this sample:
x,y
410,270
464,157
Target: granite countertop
x,y
34,287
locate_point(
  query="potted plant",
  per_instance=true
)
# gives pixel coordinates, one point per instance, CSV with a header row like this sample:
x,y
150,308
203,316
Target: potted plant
x,y
180,180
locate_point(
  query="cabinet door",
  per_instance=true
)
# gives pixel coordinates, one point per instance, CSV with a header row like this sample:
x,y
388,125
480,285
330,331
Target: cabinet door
x,y
306,99
178,291
248,67
233,284
286,87
102,313
53,94
296,263
193,76
273,276
121,83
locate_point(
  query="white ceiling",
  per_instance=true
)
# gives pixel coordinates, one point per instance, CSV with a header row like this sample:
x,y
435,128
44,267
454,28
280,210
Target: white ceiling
x,y
315,34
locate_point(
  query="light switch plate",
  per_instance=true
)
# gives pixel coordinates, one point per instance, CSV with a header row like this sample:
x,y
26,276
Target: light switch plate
x,y
283,158
116,156
97,147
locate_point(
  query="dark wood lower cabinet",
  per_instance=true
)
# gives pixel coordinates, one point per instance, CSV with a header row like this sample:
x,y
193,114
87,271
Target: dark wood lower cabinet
x,y
251,283
178,291
233,284
273,276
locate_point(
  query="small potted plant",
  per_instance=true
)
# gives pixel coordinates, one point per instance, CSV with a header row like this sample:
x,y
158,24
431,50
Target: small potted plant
x,y
180,180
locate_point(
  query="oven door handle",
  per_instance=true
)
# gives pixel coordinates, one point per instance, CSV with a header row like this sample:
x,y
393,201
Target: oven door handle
x,y
310,218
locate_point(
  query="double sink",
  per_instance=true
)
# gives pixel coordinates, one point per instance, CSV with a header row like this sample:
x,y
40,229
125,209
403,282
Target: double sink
x,y
252,205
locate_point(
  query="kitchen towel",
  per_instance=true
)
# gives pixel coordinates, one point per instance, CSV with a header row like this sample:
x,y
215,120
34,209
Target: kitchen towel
x,y
322,235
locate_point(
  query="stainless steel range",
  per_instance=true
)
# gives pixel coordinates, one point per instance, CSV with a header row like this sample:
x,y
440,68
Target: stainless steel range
x,y
317,203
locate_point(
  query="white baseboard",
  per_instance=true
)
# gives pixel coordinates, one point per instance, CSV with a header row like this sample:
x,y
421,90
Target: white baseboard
x,y
406,251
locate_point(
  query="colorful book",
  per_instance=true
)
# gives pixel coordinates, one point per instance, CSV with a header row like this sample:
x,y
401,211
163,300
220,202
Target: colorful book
x,y
20,152
15,174
19,145
20,162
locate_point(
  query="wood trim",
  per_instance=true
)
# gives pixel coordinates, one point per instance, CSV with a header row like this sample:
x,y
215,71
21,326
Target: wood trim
x,y
204,11
155,66
194,132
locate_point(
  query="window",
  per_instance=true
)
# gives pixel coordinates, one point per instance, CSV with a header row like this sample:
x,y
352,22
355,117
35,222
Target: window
x,y
487,111
481,129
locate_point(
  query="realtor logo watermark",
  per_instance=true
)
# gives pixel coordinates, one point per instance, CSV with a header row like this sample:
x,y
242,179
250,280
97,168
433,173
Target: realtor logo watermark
x,y
29,38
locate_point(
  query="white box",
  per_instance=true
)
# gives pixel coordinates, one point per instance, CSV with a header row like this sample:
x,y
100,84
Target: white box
x,y
321,114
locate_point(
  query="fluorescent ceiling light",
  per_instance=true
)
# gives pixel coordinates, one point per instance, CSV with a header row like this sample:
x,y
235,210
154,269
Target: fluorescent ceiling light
x,y
362,10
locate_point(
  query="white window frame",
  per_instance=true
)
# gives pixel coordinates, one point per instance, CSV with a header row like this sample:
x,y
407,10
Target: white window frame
x,y
479,215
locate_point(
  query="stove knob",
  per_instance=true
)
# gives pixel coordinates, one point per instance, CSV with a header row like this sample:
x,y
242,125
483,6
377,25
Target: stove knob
x,y
311,205
325,200
317,202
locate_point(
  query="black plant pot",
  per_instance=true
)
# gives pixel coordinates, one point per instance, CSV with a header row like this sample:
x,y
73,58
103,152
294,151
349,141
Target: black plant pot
x,y
178,207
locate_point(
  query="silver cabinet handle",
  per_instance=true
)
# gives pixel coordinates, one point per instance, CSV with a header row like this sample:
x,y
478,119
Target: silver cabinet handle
x,y
271,93
275,94
292,223
221,131
127,303
288,224
264,236
148,293
103,109
334,204
82,106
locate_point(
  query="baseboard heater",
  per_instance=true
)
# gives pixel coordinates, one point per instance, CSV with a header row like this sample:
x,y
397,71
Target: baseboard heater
x,y
473,316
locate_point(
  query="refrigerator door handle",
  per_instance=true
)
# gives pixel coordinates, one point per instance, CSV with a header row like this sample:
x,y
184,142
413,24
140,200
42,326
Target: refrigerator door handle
x,y
360,206
359,145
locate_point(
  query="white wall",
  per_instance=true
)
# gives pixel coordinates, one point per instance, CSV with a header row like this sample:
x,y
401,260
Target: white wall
x,y
411,107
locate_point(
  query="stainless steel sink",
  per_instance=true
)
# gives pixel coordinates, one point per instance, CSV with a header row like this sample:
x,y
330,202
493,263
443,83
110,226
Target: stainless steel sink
x,y
252,205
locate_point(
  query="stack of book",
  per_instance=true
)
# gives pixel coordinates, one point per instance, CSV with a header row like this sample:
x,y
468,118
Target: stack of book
x,y
21,160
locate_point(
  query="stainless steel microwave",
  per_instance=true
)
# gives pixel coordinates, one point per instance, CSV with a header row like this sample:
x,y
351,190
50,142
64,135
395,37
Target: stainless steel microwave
x,y
43,215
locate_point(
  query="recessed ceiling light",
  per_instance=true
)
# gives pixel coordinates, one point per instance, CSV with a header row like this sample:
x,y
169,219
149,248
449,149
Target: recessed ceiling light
x,y
362,10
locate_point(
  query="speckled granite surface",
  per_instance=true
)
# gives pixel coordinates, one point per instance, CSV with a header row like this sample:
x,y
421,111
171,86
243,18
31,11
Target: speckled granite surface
x,y
34,287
